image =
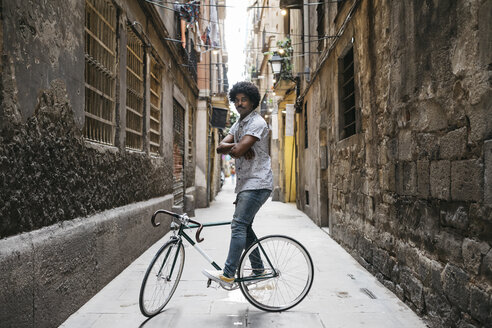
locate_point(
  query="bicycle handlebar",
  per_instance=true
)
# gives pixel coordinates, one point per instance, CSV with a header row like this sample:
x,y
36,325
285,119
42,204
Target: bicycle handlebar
x,y
179,217
200,227
156,224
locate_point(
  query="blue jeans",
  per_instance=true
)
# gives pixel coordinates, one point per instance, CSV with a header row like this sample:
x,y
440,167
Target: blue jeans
x,y
248,202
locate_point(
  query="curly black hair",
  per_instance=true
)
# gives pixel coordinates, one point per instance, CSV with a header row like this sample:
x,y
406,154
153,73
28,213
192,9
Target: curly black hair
x,y
249,89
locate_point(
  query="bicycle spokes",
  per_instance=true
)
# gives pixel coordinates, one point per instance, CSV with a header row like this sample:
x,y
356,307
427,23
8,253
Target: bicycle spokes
x,y
286,277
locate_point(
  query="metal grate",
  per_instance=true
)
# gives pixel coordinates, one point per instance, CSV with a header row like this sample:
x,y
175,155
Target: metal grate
x,y
320,9
348,94
178,154
192,61
368,293
100,71
134,91
306,134
155,106
190,134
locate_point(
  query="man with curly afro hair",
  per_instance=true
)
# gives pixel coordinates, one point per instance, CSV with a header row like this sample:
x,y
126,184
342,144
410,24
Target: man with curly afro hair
x,y
247,142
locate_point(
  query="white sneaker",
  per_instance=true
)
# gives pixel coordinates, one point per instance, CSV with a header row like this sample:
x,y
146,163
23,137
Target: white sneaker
x,y
218,276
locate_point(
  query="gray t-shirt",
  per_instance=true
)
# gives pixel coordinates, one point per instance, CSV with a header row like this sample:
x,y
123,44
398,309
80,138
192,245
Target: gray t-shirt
x,y
255,173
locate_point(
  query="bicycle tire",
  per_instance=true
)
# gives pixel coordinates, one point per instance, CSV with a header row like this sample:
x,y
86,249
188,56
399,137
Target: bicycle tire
x,y
156,291
294,266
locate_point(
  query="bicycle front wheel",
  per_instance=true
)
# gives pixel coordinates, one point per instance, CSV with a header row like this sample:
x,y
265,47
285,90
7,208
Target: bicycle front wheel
x,y
282,270
162,278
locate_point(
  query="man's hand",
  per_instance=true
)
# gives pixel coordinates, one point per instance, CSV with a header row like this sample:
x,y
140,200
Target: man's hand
x,y
244,147
225,148
226,145
249,154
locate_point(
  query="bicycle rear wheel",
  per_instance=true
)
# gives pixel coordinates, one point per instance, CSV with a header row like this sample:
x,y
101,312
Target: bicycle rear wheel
x,y
162,278
285,269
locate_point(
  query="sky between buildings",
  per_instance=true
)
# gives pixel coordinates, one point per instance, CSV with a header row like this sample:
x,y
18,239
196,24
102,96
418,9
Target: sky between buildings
x,y
235,37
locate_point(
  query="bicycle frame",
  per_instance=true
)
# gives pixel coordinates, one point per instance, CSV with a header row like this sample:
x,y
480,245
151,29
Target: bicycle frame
x,y
183,234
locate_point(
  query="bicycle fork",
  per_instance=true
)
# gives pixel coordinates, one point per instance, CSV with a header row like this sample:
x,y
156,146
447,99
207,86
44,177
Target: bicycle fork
x,y
177,245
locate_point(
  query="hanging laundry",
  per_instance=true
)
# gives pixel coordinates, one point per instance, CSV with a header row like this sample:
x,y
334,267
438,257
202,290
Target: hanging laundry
x,y
206,37
189,11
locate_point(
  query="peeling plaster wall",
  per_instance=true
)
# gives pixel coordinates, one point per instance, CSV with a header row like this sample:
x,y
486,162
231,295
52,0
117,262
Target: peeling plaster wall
x,y
48,172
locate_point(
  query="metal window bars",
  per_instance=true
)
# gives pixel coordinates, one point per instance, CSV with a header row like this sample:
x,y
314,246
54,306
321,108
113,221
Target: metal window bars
x,y
155,105
348,95
191,115
100,71
178,153
134,91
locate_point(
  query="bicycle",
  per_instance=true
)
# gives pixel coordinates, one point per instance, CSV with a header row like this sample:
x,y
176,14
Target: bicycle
x,y
275,273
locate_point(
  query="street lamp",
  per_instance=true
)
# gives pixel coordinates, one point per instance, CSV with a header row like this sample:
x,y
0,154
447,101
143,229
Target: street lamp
x,y
276,62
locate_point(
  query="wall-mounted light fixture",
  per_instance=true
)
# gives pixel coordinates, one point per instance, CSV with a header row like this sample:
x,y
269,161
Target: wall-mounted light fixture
x,y
276,62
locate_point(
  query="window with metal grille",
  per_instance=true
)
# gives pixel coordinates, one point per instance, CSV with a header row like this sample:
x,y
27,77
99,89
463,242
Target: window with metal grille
x,y
178,153
320,10
155,106
134,91
100,71
264,41
191,124
347,95
193,60
306,141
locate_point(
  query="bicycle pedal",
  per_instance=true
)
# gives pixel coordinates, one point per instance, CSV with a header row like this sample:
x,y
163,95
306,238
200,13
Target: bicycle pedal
x,y
209,281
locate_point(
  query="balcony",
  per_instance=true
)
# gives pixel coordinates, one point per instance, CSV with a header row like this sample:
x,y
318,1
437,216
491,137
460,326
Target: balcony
x,y
189,54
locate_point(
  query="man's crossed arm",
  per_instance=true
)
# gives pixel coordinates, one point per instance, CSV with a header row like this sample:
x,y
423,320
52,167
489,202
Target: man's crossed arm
x,y
242,148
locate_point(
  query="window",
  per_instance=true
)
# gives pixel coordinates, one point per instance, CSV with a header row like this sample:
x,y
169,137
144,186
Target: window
x,y
100,71
134,91
320,10
347,112
264,41
306,193
178,153
191,121
155,106
306,141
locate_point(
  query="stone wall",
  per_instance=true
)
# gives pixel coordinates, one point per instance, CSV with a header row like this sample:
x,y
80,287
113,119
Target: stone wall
x,y
74,213
50,273
411,192
49,173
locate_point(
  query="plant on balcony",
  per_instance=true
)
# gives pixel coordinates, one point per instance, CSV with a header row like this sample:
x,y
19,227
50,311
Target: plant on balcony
x,y
285,51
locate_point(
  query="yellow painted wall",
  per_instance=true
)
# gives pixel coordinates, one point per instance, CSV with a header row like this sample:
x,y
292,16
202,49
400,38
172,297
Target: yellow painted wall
x,y
290,169
287,156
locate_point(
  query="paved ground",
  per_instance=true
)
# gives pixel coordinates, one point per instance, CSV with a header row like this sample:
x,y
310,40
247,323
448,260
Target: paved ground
x,y
338,297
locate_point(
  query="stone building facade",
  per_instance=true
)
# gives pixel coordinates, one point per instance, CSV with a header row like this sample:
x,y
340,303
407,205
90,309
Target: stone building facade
x,y
393,134
97,115
213,88
399,107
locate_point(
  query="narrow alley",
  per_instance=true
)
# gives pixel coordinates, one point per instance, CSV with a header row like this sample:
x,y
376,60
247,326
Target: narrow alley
x,y
369,121
343,294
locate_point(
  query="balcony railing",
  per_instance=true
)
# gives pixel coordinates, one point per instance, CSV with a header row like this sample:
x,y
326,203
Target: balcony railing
x,y
189,54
